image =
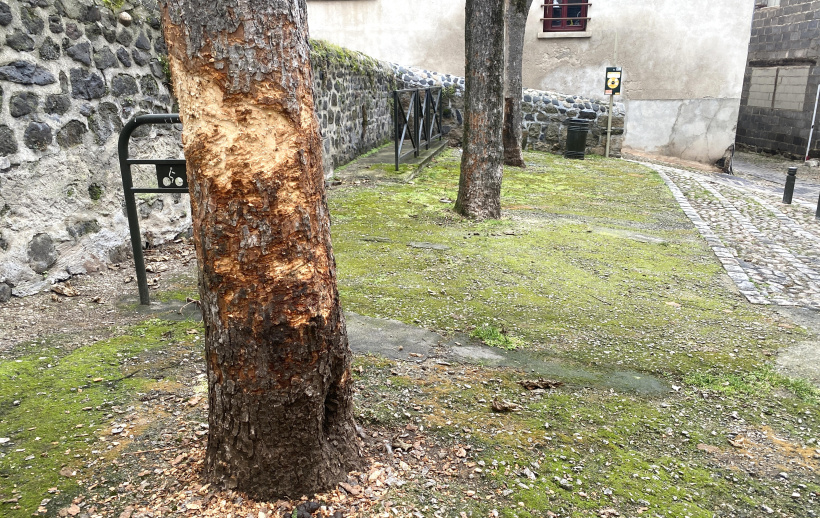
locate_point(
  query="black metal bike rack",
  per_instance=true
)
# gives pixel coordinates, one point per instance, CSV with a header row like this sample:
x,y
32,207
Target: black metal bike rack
x,y
421,119
171,177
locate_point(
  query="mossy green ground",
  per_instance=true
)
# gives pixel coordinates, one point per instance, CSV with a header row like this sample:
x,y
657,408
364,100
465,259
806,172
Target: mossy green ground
x,y
593,263
58,404
592,260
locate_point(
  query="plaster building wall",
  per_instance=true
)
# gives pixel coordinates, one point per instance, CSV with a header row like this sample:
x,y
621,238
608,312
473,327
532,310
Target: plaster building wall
x,y
683,61
428,34
781,80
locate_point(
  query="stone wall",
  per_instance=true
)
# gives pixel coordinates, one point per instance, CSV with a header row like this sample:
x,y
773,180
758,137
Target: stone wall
x,y
781,79
71,71
353,102
546,113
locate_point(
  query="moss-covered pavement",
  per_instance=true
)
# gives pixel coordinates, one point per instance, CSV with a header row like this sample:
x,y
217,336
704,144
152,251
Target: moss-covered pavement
x,y
668,404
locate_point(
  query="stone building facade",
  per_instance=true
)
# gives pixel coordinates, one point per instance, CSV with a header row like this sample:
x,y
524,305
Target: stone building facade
x,y
780,86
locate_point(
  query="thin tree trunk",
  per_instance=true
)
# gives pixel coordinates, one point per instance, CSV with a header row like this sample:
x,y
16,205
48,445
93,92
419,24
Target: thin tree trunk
x,y
479,188
516,17
279,382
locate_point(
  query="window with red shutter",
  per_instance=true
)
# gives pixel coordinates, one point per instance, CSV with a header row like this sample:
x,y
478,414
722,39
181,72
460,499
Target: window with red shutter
x,y
565,15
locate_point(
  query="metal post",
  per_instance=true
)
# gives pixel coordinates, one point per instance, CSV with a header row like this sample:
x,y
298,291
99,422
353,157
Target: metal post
x,y
428,117
416,124
813,120
817,212
396,136
609,124
128,191
440,110
131,210
789,190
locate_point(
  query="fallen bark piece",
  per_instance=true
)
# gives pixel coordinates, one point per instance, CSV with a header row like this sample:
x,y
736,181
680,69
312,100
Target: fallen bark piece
x,y
502,405
352,490
540,384
66,290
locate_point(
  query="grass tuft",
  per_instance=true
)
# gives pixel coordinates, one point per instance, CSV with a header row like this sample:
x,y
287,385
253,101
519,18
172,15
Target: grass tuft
x,y
495,337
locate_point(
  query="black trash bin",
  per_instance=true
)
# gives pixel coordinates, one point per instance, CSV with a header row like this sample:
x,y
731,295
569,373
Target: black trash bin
x,y
576,138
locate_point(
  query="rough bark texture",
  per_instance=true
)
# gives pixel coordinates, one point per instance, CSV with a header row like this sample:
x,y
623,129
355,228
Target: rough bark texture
x,y
279,383
516,18
479,188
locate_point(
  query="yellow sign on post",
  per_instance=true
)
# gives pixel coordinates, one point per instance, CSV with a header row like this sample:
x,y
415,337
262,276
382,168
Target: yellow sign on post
x,y
613,81
613,88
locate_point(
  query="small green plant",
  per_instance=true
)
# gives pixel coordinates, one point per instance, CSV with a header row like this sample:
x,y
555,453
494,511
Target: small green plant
x,y
495,337
114,5
95,191
759,382
447,93
166,68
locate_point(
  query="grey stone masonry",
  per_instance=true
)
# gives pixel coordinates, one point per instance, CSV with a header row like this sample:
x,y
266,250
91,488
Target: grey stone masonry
x,y
546,114
352,96
781,80
67,89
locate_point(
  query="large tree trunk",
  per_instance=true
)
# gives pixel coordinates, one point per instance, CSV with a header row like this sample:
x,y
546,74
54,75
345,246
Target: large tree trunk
x,y
279,383
517,11
479,187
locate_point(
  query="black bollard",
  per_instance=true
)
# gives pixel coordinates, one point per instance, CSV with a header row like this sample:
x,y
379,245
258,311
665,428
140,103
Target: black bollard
x,y
789,190
817,212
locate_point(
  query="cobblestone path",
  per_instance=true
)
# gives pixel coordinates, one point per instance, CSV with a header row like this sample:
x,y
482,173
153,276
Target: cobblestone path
x,y
769,249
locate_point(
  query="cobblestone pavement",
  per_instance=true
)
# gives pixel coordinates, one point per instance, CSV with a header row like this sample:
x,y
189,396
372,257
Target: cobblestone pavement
x,y
770,250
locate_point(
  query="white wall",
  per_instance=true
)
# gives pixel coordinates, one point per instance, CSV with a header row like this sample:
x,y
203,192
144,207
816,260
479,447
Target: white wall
x,y
424,33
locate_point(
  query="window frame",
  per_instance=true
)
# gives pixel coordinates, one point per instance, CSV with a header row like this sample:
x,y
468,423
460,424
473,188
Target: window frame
x,y
550,9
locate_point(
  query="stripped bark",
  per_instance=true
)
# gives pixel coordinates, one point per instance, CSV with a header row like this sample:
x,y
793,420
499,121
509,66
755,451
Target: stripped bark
x,y
279,382
479,187
516,20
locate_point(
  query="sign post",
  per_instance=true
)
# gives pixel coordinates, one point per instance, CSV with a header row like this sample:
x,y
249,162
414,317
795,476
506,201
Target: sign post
x,y
613,86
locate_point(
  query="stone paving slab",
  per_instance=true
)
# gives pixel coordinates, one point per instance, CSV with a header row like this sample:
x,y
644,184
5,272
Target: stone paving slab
x,y
769,249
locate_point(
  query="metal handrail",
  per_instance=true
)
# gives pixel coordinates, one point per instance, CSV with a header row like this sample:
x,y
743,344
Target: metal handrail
x,y
425,117
165,168
400,118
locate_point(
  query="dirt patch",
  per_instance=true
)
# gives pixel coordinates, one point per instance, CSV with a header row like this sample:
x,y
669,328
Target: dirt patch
x,y
101,301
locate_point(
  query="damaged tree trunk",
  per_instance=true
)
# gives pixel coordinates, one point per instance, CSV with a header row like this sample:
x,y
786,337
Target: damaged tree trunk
x,y
516,19
279,381
479,187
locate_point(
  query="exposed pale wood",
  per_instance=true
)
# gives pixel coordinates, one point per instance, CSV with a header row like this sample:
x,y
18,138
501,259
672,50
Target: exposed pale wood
x,y
279,383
